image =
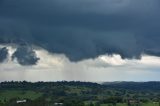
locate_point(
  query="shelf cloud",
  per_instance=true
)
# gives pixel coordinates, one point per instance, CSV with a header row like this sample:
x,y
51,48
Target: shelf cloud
x,y
83,29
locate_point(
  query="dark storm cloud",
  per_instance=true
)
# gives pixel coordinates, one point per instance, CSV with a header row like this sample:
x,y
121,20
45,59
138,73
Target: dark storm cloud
x,y
25,55
83,28
3,54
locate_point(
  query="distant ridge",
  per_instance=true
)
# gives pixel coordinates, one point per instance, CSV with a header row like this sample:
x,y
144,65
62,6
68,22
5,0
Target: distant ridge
x,y
151,85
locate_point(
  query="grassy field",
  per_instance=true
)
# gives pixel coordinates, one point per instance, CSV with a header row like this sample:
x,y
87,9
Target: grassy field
x,y
7,95
124,104
119,104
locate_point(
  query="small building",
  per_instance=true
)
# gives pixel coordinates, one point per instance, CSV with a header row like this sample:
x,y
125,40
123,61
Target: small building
x,y
21,101
58,104
133,101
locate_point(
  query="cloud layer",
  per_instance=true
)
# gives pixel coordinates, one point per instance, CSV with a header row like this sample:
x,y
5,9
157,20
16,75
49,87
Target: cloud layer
x,y
83,29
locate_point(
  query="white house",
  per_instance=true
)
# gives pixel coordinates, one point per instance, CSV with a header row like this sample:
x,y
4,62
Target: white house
x,y
58,104
21,101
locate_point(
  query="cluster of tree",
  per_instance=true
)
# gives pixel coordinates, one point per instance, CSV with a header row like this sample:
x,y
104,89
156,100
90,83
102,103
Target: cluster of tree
x,y
113,99
29,85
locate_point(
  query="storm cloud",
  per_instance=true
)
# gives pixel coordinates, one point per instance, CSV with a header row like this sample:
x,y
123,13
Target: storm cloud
x,y
82,29
3,54
25,55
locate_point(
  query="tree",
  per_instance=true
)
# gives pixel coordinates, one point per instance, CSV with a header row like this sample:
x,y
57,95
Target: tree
x,y
97,104
91,104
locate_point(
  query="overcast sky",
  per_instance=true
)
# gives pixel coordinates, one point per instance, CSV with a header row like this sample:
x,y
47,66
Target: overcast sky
x,y
87,40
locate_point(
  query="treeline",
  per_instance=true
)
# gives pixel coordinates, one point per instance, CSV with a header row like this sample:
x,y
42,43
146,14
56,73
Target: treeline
x,y
136,86
29,85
